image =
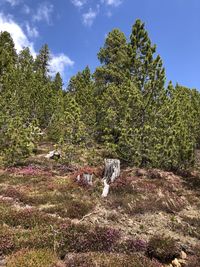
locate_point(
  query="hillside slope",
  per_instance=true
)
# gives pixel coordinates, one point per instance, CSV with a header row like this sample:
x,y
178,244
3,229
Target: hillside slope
x,y
149,218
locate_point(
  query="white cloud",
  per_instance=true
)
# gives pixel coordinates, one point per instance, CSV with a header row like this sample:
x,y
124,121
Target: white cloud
x,y
44,12
58,63
31,31
78,3
18,35
88,18
13,2
114,3
26,9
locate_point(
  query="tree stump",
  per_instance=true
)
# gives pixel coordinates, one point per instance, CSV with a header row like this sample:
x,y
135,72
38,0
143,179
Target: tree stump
x,y
111,172
85,177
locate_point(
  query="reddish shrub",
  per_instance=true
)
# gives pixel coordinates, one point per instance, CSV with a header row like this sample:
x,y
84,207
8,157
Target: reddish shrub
x,y
6,240
122,185
145,186
81,238
14,193
103,239
108,260
30,170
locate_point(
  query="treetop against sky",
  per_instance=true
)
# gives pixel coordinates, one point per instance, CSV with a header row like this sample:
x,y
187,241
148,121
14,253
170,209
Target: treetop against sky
x,y
76,29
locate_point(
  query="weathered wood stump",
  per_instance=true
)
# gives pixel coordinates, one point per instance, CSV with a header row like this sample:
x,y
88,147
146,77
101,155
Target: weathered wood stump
x,y
111,172
85,177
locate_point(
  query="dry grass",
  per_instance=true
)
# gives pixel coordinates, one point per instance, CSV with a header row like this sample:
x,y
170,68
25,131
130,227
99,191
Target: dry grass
x,y
41,206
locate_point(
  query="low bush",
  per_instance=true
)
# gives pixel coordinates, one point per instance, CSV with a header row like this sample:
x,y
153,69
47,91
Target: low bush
x,y
169,203
123,185
27,218
32,258
103,239
194,224
81,238
36,238
12,192
132,246
189,226
165,249
6,240
5,211
140,203
108,260
47,197
73,209
194,260
125,202
77,209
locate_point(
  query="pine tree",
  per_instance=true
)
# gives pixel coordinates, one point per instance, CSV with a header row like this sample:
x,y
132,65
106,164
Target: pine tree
x,y
115,60
195,100
149,76
124,106
42,61
81,87
8,55
42,105
108,79
25,61
17,139
57,82
129,145
72,129
183,128
108,116
54,128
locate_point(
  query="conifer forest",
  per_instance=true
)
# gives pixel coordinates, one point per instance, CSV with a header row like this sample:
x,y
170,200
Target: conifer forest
x,y
55,140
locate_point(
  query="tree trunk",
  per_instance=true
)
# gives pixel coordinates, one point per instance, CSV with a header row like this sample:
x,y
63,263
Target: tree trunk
x,y
111,172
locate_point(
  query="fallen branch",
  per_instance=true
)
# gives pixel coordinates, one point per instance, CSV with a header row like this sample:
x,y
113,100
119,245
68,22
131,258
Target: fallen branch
x,y
88,215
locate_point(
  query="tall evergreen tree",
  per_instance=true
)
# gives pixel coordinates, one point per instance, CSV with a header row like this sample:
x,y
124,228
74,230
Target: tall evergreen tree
x,y
81,87
57,82
115,60
8,55
148,74
42,61
146,71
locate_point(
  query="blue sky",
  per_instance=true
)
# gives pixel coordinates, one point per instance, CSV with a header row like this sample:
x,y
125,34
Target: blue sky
x,y
76,29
